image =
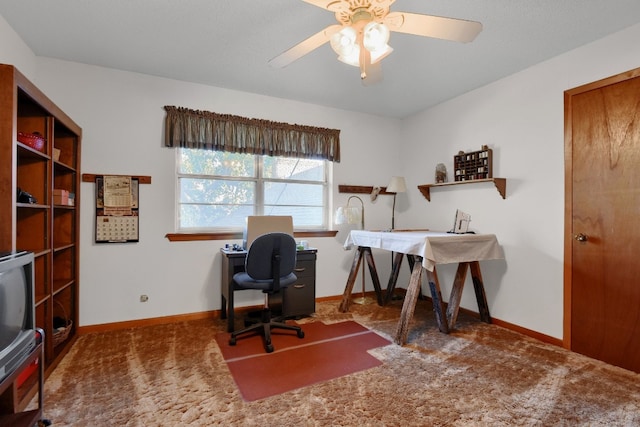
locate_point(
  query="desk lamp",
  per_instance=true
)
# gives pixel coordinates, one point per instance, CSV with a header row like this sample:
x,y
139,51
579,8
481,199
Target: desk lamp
x,y
354,215
397,185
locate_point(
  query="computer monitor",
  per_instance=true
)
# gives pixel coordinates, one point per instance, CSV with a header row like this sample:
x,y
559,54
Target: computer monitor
x,y
259,225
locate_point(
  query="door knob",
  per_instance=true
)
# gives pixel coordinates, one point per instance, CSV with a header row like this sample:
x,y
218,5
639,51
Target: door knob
x,y
581,237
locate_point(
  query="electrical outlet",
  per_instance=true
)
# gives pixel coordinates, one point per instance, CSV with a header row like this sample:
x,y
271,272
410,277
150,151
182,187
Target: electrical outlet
x,y
144,298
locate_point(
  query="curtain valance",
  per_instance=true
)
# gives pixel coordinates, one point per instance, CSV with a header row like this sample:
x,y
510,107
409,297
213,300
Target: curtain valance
x,y
224,132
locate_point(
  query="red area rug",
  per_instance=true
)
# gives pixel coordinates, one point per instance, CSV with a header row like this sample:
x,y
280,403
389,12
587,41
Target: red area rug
x,y
325,352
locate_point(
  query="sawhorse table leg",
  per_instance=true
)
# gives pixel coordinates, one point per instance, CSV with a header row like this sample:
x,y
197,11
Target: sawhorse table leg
x,y
409,305
361,251
395,270
411,298
393,277
446,320
456,293
481,296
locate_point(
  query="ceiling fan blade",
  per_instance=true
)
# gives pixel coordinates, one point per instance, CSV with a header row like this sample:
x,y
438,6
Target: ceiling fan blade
x,y
459,30
332,5
304,47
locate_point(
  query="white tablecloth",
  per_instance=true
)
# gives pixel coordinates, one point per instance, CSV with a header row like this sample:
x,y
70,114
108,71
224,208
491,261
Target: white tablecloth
x,y
434,247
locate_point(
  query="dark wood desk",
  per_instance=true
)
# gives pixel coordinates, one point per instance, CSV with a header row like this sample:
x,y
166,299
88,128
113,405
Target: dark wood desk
x,y
297,300
424,250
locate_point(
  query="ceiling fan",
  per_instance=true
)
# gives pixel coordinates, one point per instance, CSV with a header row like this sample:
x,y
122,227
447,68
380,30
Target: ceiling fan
x,y
361,37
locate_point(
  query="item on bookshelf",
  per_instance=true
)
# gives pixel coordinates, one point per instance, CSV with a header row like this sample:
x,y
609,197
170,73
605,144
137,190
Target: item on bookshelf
x,y
56,154
473,165
441,173
61,326
24,197
60,197
34,140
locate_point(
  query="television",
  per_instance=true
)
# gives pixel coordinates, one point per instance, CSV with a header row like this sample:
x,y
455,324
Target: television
x,y
17,310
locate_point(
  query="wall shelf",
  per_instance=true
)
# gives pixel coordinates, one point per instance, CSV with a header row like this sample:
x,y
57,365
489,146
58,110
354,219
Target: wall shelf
x,y
361,189
500,183
91,177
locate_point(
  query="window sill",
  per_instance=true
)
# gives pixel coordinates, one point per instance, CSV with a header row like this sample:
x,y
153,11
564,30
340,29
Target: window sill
x,y
188,237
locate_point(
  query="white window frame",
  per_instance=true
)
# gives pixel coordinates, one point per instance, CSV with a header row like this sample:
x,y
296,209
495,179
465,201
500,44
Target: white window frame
x,y
259,205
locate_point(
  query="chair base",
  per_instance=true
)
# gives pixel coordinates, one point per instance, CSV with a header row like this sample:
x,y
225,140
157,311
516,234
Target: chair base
x,y
264,328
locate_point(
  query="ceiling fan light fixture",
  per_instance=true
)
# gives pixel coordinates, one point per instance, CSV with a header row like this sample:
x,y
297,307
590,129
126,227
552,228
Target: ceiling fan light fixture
x,y
375,39
377,55
345,42
375,36
352,59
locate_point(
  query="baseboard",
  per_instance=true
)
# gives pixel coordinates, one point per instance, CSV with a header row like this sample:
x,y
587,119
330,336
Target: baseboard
x,y
105,327
216,314
528,332
333,298
510,326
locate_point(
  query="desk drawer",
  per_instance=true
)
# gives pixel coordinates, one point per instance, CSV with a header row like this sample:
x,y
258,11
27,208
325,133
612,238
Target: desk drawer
x,y
305,268
299,299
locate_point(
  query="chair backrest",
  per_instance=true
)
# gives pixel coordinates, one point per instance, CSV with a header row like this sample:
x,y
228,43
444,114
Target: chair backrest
x,y
271,256
259,225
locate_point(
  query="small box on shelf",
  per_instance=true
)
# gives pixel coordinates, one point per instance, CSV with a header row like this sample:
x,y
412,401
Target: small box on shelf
x,y
60,197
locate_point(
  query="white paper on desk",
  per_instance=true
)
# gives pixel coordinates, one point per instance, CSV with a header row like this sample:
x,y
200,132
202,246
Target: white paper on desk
x,y
462,221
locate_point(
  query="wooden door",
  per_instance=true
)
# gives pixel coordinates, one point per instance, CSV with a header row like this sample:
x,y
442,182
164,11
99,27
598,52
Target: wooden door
x,y
602,245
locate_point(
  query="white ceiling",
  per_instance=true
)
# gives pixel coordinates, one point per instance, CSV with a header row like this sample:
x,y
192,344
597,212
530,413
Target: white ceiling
x,y
228,43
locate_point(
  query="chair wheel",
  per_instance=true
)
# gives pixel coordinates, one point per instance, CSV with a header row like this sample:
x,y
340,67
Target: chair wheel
x,y
300,334
232,341
269,348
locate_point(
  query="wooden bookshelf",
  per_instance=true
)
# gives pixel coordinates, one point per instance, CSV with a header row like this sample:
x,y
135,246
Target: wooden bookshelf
x,y
44,225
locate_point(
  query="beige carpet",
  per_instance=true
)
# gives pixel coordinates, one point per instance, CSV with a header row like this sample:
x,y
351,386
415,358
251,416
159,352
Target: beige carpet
x,y
479,375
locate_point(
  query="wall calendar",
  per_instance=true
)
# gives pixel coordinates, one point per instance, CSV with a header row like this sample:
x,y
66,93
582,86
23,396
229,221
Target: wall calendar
x,y
117,209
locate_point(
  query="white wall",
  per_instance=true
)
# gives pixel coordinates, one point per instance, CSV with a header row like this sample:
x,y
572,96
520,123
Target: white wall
x,y
122,117
14,51
520,117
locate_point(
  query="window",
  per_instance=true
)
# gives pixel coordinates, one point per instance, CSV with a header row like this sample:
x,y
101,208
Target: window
x,y
217,190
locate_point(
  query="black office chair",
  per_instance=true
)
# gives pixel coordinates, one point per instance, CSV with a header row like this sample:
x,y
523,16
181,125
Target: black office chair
x,y
269,267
